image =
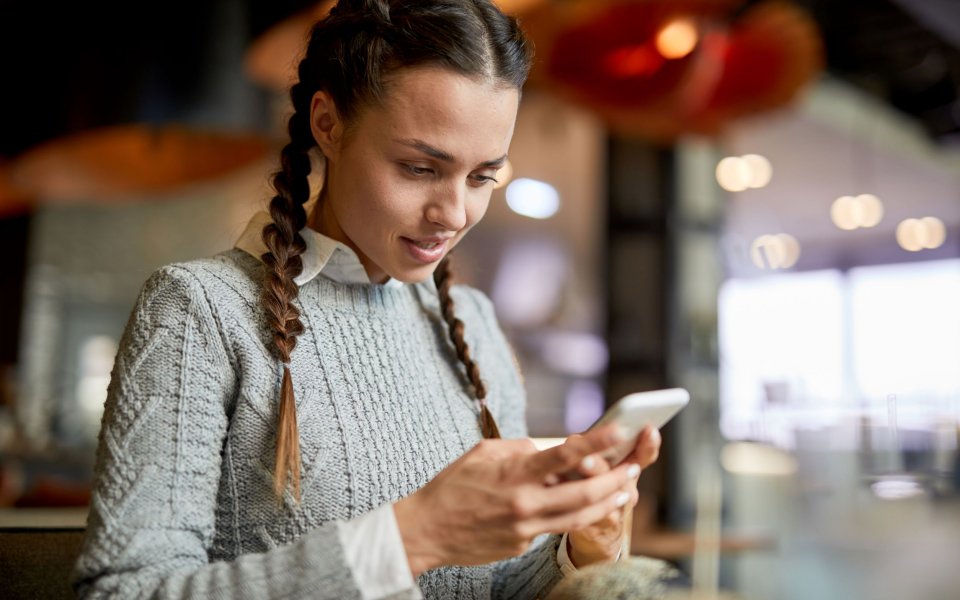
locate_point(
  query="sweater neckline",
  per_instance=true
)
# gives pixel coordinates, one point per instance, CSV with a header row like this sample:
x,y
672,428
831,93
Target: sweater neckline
x,y
360,297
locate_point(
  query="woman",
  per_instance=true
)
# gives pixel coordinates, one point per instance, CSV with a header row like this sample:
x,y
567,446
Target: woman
x,y
302,415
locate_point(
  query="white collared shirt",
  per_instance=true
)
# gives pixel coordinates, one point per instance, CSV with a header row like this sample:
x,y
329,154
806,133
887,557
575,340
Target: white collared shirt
x,y
324,255
372,543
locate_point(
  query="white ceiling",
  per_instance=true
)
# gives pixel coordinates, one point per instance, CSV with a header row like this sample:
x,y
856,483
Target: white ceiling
x,y
837,143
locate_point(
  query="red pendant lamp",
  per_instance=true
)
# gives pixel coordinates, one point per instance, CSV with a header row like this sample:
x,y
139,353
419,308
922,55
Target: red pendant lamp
x,y
661,68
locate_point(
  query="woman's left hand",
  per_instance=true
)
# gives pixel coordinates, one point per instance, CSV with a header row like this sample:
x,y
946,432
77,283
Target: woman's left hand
x,y
601,541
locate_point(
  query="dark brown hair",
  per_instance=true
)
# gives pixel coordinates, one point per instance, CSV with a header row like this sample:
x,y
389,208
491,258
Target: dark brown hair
x,y
351,54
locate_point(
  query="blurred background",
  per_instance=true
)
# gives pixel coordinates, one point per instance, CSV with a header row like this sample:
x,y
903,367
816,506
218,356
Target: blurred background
x,y
755,200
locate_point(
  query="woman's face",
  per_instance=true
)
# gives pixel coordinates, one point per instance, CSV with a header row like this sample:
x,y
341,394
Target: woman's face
x,y
411,177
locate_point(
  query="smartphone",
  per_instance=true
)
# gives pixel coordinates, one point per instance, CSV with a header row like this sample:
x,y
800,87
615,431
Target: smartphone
x,y
635,411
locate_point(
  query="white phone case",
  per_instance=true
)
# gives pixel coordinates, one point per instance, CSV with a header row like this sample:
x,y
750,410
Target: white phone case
x,y
635,411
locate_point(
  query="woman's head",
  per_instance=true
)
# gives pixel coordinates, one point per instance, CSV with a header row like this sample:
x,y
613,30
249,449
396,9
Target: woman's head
x,y
353,53
412,104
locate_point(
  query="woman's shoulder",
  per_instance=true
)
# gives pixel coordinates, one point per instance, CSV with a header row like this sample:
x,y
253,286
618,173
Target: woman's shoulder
x,y
226,278
467,297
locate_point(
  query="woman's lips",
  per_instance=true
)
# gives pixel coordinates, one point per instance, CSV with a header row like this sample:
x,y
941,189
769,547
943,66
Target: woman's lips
x,y
425,255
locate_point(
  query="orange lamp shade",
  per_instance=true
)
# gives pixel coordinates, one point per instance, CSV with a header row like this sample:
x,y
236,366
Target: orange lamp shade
x,y
131,160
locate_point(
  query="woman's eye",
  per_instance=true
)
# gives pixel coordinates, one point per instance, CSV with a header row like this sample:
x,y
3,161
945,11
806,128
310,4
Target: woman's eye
x,y
418,171
482,179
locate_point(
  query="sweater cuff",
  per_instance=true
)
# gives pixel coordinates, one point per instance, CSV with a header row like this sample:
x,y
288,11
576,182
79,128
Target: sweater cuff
x,y
374,551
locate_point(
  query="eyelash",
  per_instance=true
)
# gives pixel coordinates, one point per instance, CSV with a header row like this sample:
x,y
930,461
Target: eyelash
x,y
421,171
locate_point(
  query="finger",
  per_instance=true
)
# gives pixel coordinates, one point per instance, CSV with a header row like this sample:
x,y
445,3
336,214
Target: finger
x,y
568,455
583,517
593,464
574,495
647,449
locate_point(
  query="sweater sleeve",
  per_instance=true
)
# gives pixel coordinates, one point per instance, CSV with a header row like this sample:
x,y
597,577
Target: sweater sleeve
x,y
152,514
534,573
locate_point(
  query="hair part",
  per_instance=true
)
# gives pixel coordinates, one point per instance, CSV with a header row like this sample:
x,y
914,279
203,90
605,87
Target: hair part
x,y
352,54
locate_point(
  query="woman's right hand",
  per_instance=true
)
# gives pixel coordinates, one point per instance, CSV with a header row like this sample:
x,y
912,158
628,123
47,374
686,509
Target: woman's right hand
x,y
494,500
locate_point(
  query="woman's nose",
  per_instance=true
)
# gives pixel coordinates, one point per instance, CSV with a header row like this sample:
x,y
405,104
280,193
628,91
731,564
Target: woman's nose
x,y
448,208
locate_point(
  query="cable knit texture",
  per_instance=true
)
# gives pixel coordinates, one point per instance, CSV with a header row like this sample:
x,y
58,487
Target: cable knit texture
x,y
183,505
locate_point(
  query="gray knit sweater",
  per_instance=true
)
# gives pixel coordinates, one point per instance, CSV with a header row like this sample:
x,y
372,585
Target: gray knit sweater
x,y
183,506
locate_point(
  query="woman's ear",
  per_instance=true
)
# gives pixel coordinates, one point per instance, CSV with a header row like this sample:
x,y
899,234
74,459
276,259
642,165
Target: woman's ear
x,y
325,124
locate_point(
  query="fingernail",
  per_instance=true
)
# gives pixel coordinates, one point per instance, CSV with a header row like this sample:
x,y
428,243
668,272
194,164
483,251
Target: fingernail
x,y
588,462
622,498
633,471
552,479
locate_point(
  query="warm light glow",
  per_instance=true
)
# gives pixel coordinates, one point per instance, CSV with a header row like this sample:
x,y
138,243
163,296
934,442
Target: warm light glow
x,y
935,233
633,61
733,174
845,213
738,173
791,250
532,198
915,235
760,170
677,38
504,175
780,251
849,212
910,235
871,210
750,458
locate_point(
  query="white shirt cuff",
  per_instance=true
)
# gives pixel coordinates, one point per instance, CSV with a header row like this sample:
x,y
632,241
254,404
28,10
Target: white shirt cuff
x,y
563,557
374,552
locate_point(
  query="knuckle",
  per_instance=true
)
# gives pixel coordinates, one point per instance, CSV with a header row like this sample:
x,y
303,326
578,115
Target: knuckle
x,y
520,507
592,495
568,453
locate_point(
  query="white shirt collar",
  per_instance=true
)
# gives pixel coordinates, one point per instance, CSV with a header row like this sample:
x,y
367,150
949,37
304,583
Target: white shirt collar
x,y
323,256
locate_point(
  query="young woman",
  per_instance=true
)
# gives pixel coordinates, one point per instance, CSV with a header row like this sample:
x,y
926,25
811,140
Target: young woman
x,y
303,415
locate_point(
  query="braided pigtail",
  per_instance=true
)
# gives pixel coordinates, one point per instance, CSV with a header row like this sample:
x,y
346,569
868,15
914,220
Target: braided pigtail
x,y
443,277
350,55
285,245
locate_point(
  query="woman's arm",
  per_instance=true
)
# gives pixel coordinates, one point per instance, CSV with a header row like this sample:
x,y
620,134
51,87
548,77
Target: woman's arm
x,y
153,510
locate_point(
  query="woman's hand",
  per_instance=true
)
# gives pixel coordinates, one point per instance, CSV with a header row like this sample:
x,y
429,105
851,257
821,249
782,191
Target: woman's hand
x,y
601,541
490,503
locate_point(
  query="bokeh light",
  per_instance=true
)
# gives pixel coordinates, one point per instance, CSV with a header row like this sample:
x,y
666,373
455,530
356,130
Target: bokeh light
x,y
532,198
677,38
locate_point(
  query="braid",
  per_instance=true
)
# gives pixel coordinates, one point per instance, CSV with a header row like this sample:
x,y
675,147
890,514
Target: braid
x,y
285,245
443,277
350,55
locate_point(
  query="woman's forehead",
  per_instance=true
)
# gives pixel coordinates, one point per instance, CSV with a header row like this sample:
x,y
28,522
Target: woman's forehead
x,y
445,110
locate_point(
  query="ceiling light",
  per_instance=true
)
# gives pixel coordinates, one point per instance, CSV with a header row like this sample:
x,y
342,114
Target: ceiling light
x,y
677,38
733,174
870,210
760,170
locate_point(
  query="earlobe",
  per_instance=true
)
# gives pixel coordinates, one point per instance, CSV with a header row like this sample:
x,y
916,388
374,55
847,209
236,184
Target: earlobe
x,y
325,123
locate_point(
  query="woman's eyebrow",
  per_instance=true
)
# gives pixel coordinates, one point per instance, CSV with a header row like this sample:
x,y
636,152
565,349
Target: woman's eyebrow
x,y
438,154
